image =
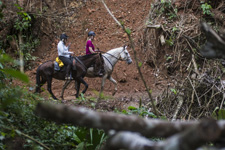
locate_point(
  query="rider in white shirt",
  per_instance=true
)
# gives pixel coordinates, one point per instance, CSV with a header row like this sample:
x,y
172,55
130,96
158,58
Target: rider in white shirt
x,y
65,55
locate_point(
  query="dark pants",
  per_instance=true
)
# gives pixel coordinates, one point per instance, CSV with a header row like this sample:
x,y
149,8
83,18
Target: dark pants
x,y
68,64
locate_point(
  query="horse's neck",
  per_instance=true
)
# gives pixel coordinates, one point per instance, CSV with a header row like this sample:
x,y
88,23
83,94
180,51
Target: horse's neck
x,y
113,57
89,62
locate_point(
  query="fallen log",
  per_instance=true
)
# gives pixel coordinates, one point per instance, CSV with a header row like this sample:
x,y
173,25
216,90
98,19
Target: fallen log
x,y
206,131
215,45
112,121
128,140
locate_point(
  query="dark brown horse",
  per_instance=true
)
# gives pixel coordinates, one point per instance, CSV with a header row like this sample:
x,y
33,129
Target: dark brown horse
x,y
46,72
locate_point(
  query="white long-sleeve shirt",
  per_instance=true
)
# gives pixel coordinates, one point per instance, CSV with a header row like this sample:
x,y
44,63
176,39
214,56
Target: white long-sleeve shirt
x,y
63,50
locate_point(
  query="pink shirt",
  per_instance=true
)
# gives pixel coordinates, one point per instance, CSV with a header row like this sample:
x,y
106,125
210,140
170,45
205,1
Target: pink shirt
x,y
89,44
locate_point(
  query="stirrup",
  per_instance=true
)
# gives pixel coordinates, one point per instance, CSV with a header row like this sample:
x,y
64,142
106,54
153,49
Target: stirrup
x,y
99,74
69,78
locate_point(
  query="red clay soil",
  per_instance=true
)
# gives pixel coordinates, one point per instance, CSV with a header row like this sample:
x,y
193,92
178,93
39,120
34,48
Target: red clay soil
x,y
93,16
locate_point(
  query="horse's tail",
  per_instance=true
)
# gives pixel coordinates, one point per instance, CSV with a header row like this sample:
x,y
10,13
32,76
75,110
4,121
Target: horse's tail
x,y
38,80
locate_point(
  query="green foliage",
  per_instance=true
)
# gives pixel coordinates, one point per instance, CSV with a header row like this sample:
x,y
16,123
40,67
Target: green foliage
x,y
141,111
23,25
170,42
168,9
206,8
82,97
172,37
1,9
89,138
8,72
128,31
22,118
169,58
218,114
140,64
16,74
24,20
28,47
17,119
174,91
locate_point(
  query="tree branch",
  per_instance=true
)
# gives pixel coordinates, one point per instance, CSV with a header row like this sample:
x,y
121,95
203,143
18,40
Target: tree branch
x,y
128,140
118,122
135,57
206,131
214,47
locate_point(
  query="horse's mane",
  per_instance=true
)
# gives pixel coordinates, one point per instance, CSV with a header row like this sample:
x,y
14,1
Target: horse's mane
x,y
112,50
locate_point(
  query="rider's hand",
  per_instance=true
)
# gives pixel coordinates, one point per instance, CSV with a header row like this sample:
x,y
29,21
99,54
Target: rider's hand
x,y
97,50
72,54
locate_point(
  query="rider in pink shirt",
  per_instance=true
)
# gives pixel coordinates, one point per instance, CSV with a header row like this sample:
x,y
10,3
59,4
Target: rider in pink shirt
x,y
90,49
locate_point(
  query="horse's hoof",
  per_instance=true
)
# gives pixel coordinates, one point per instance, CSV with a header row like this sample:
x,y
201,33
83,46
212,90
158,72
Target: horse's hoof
x,y
113,93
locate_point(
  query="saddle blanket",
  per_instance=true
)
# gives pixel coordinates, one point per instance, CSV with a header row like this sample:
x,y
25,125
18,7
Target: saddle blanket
x,y
56,66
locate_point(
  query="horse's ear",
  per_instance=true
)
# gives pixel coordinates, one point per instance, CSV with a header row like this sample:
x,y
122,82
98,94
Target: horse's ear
x,y
124,47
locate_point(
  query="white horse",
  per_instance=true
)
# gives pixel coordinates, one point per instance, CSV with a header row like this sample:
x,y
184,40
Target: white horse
x,y
110,59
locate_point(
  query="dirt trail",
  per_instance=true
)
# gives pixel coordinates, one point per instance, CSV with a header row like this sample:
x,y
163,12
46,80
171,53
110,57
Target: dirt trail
x,y
93,16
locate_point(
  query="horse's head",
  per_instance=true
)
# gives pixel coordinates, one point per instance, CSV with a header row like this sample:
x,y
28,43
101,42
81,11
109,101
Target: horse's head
x,y
100,64
124,55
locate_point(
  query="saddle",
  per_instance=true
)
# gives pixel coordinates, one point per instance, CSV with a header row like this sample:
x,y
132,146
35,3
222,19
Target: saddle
x,y
59,66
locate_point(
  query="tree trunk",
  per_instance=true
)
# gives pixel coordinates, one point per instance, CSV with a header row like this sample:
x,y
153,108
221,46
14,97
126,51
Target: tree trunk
x,y
21,51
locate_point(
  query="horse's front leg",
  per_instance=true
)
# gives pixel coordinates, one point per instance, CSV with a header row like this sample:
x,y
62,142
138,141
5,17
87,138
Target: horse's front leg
x,y
49,86
115,83
39,85
102,85
85,84
77,88
64,87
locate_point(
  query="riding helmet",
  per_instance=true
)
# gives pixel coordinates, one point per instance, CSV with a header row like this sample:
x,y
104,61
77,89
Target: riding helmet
x,y
91,33
63,36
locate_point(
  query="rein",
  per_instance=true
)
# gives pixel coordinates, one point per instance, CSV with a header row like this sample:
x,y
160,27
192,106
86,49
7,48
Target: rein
x,y
111,54
108,60
81,62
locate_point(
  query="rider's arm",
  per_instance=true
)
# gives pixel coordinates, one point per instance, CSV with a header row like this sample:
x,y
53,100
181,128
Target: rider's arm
x,y
91,50
63,50
90,46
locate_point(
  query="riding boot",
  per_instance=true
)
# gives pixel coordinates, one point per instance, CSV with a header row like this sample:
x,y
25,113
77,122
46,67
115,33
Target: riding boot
x,y
98,74
69,77
68,73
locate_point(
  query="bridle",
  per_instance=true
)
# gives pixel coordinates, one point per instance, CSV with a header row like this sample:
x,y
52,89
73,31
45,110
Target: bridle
x,y
112,56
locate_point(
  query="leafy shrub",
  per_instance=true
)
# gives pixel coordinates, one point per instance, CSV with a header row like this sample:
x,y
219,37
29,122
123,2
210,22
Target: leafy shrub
x,y
206,8
18,121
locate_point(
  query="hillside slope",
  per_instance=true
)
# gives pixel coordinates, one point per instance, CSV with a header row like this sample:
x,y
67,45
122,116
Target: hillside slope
x,y
93,16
